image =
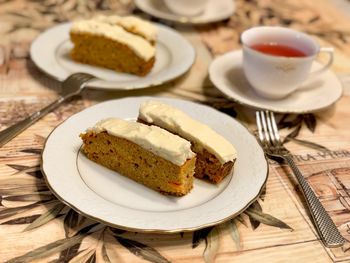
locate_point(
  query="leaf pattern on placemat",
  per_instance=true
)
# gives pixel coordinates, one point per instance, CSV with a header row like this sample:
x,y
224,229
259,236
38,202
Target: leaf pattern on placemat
x,y
92,258
23,189
30,170
296,122
257,207
141,250
309,144
69,253
224,105
289,121
59,245
200,235
263,194
46,217
266,218
76,227
110,247
234,233
240,219
46,13
72,221
21,220
11,211
310,121
39,139
271,13
104,254
30,197
32,151
48,250
211,245
117,231
83,256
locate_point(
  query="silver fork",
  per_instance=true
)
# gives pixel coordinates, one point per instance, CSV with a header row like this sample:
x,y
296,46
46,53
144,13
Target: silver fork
x,y
71,86
270,140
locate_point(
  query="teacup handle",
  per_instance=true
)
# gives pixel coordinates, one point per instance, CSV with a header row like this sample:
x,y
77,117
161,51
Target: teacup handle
x,y
325,67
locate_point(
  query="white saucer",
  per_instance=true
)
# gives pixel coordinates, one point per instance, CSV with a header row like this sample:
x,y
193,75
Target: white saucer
x,y
174,56
214,11
226,73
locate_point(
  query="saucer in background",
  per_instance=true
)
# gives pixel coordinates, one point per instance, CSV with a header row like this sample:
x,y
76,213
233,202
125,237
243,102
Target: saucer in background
x,y
226,73
214,11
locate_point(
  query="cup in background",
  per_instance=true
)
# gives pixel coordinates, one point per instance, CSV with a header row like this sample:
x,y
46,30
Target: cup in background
x,y
186,7
273,76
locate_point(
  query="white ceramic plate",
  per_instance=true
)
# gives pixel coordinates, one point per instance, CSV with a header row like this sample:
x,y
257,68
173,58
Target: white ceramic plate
x,y
226,73
174,56
113,199
214,11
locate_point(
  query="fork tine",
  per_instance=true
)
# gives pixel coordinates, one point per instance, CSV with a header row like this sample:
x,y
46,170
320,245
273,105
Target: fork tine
x,y
265,131
274,127
258,123
270,129
81,77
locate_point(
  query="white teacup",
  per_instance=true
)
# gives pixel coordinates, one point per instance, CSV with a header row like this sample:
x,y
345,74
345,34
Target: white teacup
x,y
186,7
276,76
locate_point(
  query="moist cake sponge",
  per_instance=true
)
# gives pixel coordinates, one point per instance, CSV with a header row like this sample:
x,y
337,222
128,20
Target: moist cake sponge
x,y
136,150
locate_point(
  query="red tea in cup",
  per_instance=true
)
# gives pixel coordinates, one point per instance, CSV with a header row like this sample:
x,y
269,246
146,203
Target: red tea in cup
x,y
277,60
278,50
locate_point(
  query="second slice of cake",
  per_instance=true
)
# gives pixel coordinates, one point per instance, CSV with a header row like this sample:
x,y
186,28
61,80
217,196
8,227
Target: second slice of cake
x,y
215,155
124,44
147,154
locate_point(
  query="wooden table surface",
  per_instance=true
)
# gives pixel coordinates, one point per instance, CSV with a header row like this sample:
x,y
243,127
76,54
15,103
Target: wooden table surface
x,y
36,227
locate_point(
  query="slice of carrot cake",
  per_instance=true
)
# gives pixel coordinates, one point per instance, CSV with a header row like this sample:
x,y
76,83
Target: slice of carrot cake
x,y
147,154
215,155
125,44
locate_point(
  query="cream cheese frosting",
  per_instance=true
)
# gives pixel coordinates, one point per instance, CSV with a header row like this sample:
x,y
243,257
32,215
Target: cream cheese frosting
x,y
152,138
115,32
176,121
132,24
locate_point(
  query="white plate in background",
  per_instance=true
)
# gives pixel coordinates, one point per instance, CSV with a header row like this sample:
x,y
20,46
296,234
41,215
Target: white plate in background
x,y
174,56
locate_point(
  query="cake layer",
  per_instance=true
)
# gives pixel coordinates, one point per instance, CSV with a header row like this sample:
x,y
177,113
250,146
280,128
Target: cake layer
x,y
139,164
